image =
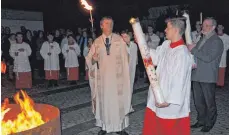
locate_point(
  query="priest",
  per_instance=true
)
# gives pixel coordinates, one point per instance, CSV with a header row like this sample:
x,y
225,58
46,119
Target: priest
x,y
174,65
112,80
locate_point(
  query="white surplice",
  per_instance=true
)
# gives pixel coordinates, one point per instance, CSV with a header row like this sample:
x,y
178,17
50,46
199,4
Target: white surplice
x,y
71,57
112,87
155,40
225,39
21,62
132,50
174,67
51,62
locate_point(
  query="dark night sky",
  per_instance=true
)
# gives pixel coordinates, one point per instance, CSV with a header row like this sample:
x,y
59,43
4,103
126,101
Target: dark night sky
x,y
62,13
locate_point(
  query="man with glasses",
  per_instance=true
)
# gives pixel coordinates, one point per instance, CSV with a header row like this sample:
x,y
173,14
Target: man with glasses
x,y
111,97
207,54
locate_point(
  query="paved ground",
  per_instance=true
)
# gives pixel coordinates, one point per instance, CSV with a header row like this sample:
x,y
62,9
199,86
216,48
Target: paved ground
x,y
77,118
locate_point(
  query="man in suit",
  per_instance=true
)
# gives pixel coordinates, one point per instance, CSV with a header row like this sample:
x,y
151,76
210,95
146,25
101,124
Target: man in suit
x,y
83,41
207,54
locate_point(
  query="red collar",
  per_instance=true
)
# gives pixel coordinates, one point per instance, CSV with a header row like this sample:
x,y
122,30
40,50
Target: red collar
x,y
178,43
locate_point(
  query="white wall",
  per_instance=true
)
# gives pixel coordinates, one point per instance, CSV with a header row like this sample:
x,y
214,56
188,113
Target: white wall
x,y
16,18
16,24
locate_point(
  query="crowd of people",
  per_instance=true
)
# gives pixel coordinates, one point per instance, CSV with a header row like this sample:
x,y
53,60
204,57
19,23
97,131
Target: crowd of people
x,y
109,61
82,40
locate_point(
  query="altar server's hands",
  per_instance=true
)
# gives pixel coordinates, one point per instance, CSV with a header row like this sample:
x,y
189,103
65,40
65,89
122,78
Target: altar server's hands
x,y
190,47
163,105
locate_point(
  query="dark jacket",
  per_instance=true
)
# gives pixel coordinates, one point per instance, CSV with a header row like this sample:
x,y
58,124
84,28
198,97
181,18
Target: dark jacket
x,y
208,58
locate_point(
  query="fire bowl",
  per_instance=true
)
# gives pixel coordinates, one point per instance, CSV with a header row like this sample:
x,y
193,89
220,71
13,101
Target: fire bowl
x,y
50,114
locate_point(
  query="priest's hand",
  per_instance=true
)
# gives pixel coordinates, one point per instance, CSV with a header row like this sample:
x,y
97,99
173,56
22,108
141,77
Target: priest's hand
x,y
163,105
49,53
95,57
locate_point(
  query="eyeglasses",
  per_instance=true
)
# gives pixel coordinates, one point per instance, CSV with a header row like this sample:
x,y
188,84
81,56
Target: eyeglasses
x,y
206,25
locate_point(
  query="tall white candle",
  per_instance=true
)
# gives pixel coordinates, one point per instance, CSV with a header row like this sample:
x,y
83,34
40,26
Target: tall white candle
x,y
188,37
201,18
151,72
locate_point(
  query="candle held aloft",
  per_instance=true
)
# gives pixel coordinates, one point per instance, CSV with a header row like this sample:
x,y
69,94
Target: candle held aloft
x,y
188,37
151,72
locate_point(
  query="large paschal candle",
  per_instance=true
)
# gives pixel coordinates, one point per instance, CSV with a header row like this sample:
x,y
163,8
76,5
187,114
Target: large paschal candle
x,y
151,72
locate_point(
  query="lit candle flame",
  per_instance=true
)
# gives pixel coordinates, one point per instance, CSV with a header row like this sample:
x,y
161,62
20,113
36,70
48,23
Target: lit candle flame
x,y
86,5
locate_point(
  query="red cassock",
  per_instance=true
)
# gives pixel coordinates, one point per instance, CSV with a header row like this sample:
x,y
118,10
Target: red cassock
x,y
23,80
154,125
51,74
221,76
73,74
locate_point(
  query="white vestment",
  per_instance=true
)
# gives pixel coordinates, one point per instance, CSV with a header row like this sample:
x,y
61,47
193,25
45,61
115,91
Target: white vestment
x,y
155,40
21,62
132,50
112,87
195,37
51,62
174,67
71,57
225,39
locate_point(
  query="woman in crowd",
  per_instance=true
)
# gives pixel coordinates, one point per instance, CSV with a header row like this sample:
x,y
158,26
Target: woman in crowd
x,y
85,53
39,60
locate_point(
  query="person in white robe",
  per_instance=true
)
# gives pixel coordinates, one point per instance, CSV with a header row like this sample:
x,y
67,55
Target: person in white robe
x,y
152,41
151,38
20,52
196,35
93,69
12,40
85,53
50,51
112,80
65,39
132,50
223,63
174,66
71,51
